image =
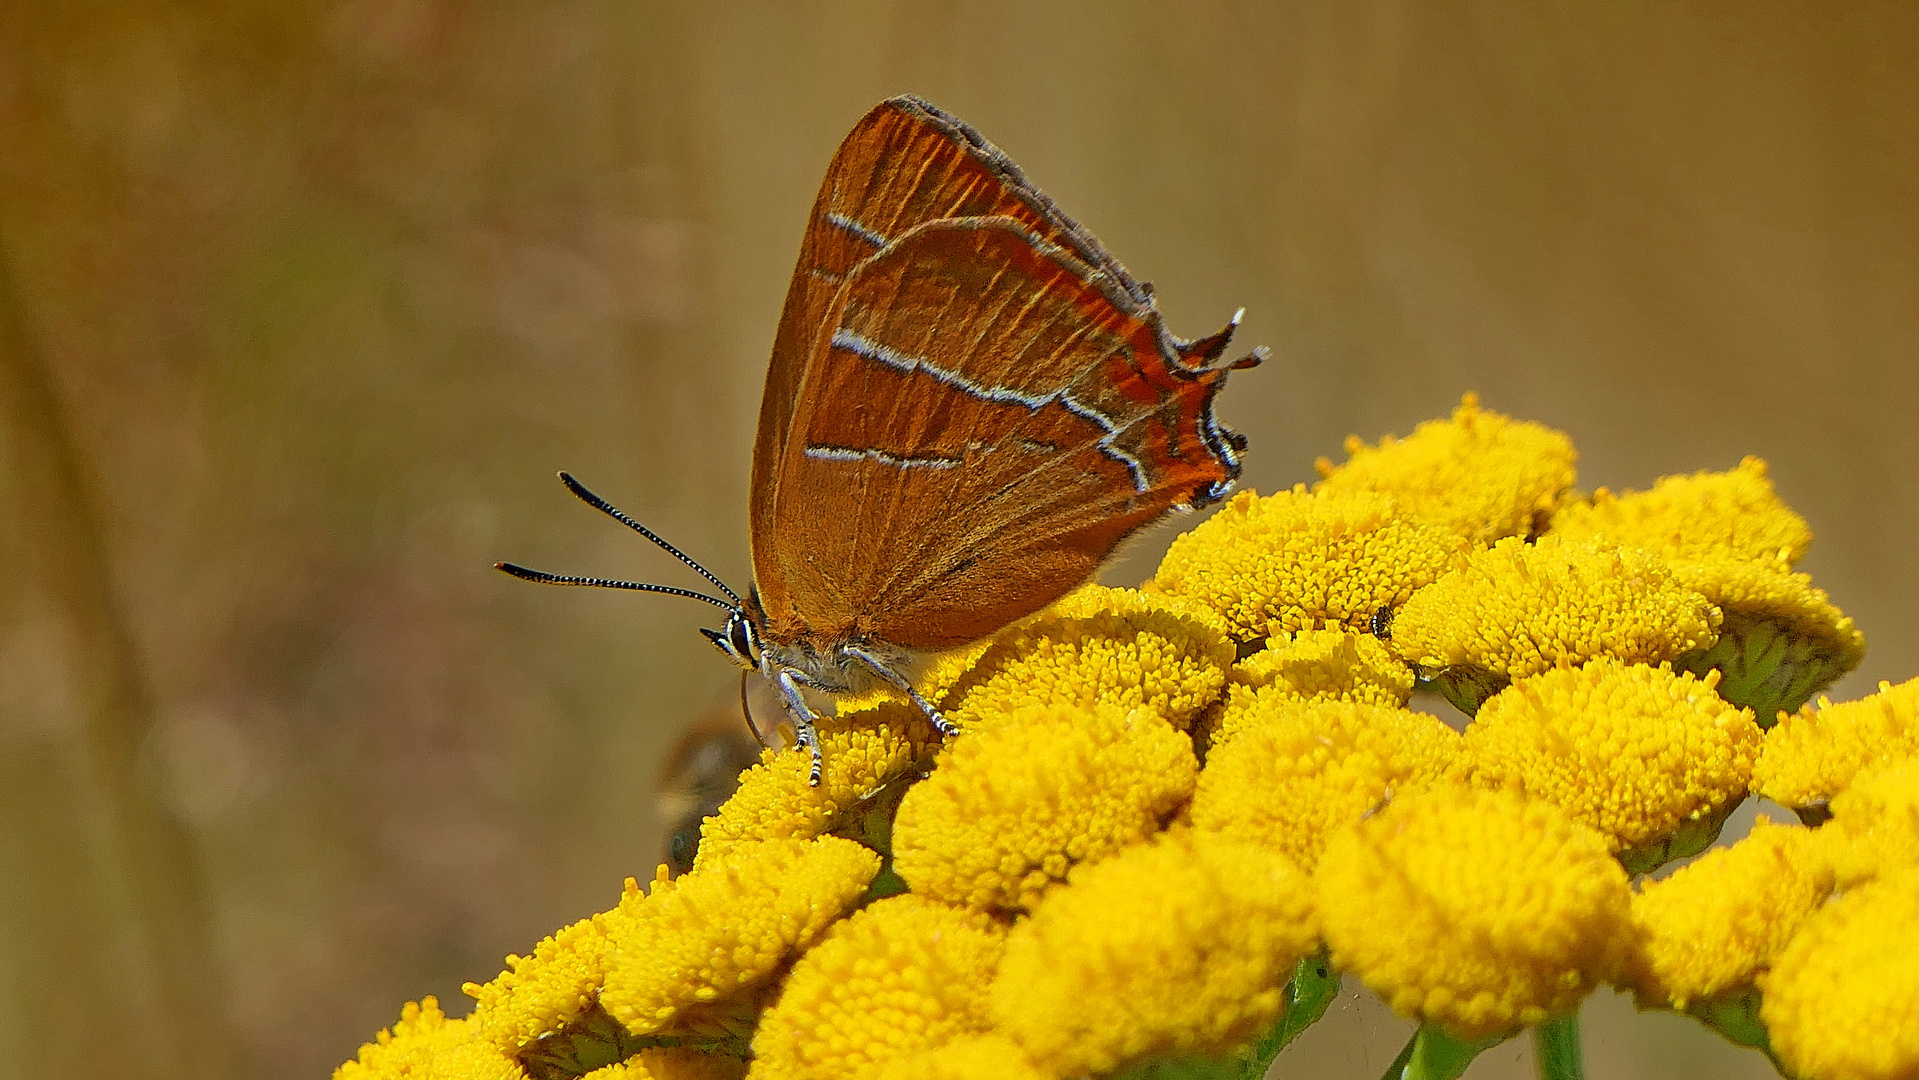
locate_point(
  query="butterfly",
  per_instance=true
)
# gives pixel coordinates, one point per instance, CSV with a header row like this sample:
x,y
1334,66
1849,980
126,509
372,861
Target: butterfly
x,y
969,405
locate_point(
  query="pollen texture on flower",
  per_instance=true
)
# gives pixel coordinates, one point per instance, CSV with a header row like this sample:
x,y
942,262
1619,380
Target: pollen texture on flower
x,y
1179,946
1842,999
776,800
1120,647
1012,808
1297,560
1734,514
538,994
969,1057
1716,923
1479,911
1813,754
1519,608
903,975
726,927
1634,751
1875,822
1293,771
426,1044
1480,474
1338,665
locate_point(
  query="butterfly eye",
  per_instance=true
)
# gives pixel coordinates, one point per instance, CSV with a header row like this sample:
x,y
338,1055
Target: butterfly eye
x,y
742,642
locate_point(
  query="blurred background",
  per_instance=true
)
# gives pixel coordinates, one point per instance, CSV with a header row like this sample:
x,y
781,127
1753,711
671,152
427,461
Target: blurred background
x,y
302,304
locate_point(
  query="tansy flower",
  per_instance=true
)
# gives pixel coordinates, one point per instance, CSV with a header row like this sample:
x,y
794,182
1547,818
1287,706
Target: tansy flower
x,y
539,994
1293,771
1120,647
1518,609
687,958
1339,664
1296,560
1875,822
1728,537
672,1063
1482,475
1014,806
1480,911
903,975
1710,928
1781,641
1652,759
425,1045
1178,946
860,754
970,1057
1813,754
1705,516
1842,999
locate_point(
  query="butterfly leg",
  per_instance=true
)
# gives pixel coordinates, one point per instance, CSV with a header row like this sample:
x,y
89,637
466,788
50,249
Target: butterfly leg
x,y
898,682
809,737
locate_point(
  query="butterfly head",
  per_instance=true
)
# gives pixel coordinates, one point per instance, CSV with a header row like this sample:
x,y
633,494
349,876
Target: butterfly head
x,y
739,640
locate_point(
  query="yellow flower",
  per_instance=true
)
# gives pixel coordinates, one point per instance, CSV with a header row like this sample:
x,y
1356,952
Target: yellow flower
x,y
1294,771
1119,647
1295,560
1842,999
1477,910
903,975
860,754
425,1045
1179,946
1728,537
1482,475
687,958
1712,926
1813,754
1012,807
672,1063
539,994
1652,759
1705,516
1875,822
1339,665
1518,609
970,1057
1782,640
938,674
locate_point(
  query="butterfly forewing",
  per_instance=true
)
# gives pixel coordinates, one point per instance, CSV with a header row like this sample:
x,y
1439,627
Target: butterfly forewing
x,y
904,164
983,416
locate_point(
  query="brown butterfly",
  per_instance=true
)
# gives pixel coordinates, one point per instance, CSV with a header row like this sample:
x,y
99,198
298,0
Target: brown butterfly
x,y
970,403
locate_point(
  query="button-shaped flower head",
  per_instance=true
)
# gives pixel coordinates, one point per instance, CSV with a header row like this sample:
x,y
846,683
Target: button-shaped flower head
x,y
1481,474
1653,759
1479,911
1518,609
1297,561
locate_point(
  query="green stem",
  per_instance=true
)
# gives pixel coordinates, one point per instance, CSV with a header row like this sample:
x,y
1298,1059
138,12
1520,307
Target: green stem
x,y
1431,1054
1313,987
1556,1048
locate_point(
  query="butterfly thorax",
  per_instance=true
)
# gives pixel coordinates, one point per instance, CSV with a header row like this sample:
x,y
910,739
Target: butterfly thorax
x,y
846,662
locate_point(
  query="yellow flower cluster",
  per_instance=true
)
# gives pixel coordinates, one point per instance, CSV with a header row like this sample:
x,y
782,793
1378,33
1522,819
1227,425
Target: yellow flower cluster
x,y
1163,802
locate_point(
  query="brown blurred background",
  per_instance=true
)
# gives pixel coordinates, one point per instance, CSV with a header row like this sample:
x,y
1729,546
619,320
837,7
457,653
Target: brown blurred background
x,y
302,303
